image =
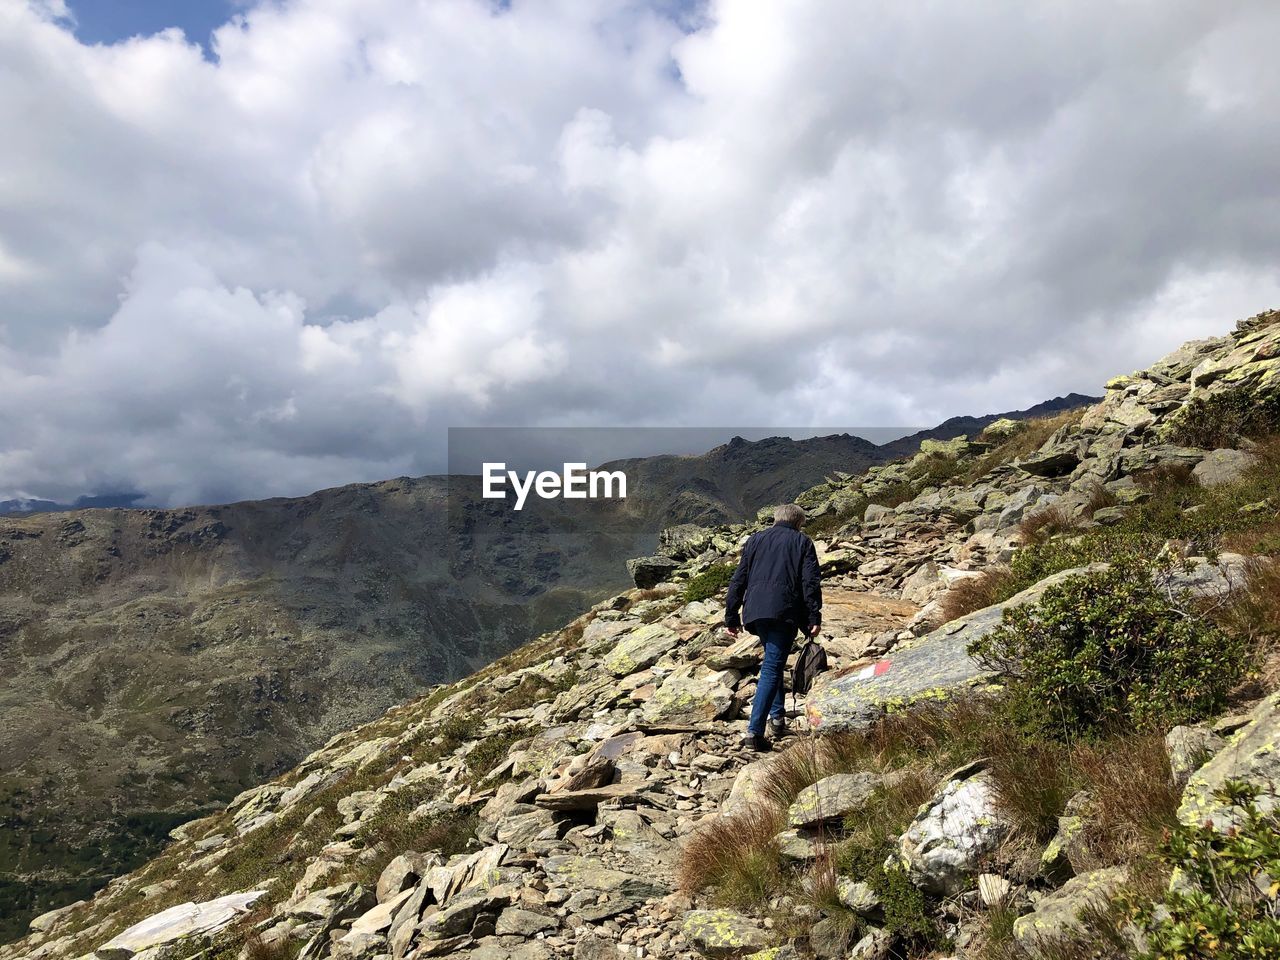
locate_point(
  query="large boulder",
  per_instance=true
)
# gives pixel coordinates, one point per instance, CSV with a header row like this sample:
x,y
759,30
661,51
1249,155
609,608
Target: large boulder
x,y
952,835
722,933
1222,467
684,541
1249,757
648,572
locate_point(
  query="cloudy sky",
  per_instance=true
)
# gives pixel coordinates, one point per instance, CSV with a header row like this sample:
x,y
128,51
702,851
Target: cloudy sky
x,y
284,245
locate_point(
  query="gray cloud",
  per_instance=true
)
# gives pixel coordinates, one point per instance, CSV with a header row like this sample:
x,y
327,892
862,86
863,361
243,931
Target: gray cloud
x,y
295,266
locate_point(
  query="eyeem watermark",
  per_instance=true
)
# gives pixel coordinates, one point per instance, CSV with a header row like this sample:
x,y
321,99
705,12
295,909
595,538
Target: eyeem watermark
x,y
573,482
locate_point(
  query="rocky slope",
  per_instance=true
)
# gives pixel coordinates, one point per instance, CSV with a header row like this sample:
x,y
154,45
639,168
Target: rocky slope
x,y
159,661
546,805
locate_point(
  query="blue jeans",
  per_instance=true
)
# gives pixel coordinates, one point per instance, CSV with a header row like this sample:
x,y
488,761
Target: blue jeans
x,y
771,689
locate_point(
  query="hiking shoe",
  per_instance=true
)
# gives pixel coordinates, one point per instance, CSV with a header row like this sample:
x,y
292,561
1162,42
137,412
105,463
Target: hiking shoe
x,y
777,728
757,743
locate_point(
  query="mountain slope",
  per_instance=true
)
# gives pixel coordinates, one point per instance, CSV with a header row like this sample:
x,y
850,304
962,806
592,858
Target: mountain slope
x,y
543,806
159,661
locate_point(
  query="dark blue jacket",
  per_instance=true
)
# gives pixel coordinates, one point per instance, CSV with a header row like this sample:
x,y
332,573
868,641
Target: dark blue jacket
x,y
777,579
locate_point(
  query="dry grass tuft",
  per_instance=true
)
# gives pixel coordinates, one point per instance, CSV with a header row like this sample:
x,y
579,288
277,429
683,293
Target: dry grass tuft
x,y
787,773
1254,608
973,593
255,948
1099,498
737,855
1033,781
1133,795
1043,525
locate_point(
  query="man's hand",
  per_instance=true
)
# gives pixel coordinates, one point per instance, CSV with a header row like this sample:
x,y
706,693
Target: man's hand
x,y
814,629
733,631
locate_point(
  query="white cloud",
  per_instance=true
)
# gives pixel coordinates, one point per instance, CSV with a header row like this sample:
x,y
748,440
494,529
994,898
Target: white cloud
x,y
365,222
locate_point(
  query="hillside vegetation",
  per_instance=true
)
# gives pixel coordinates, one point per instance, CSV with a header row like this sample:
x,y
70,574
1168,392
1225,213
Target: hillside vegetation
x,y
1049,733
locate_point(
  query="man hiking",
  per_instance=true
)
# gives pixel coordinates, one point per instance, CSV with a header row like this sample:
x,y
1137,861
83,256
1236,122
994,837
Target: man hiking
x,y
780,593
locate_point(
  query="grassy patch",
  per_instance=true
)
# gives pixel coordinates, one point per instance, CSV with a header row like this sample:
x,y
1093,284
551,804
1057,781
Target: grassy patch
x,y
710,582
1134,800
1033,781
1027,438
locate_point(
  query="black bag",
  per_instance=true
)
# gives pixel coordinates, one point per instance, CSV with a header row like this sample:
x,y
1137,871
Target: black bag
x,y
811,662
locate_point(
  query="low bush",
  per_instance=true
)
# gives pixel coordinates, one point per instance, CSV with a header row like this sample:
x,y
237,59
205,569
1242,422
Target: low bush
x,y
710,582
1225,906
393,828
1224,419
1109,649
906,914
490,752
851,513
936,469
894,494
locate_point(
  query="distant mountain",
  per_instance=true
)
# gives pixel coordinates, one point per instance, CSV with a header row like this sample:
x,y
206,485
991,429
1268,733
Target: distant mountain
x,y
18,507
158,661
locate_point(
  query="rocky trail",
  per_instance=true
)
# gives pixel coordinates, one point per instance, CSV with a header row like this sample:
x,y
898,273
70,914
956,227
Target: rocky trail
x,y
543,807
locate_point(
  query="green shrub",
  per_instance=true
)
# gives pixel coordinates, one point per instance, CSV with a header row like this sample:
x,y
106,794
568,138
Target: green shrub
x,y
1225,906
491,751
1224,419
907,916
709,582
1110,648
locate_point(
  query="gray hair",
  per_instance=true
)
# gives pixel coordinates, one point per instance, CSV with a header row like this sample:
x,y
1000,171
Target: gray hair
x,y
790,514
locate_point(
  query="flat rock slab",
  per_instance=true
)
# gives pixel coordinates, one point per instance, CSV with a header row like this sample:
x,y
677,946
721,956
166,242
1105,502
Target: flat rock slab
x,y
587,799
934,667
831,798
640,648
177,923
846,612
587,873
1057,915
